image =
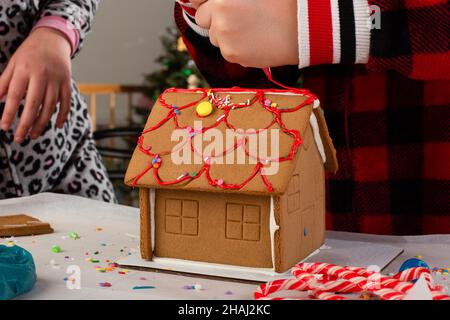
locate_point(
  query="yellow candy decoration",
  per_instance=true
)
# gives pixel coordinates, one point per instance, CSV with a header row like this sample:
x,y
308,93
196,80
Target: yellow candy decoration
x,y
204,109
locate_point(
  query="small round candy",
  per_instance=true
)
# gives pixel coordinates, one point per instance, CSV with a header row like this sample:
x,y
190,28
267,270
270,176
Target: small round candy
x,y
413,263
204,109
56,249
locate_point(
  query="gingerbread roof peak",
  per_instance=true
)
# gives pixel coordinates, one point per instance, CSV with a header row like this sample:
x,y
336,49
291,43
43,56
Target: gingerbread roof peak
x,y
235,140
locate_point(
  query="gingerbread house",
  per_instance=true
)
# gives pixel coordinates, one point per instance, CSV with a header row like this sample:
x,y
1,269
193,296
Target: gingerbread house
x,y
227,202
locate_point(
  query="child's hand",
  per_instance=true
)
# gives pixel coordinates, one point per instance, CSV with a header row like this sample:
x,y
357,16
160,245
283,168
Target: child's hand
x,y
40,69
253,33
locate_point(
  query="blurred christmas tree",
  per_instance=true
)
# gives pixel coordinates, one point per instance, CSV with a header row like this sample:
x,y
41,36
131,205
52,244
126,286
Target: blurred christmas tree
x,y
177,70
177,67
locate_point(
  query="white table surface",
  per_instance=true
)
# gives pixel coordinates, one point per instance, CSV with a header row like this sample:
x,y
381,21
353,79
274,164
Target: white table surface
x,y
119,237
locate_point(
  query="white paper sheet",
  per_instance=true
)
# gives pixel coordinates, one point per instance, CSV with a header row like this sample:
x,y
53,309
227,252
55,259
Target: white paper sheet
x,y
341,252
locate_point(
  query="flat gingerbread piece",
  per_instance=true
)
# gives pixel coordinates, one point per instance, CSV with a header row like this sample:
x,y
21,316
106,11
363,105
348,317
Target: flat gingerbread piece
x,y
22,225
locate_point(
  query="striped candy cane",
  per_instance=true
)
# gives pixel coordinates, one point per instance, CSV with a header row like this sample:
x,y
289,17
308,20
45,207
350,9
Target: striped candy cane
x,y
330,282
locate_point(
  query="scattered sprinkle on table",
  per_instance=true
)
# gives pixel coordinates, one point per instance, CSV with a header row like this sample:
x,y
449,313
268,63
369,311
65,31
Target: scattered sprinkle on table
x,y
73,235
124,271
197,287
105,284
71,280
143,287
111,267
56,249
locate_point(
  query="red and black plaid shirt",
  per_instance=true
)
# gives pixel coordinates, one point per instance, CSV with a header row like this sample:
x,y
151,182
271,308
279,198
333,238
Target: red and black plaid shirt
x,y
388,119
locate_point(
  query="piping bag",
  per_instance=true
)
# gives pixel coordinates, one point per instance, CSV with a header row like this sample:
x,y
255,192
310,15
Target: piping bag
x,y
17,272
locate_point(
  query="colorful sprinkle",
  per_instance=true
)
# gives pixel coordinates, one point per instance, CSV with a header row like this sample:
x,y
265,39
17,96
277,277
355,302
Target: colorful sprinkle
x,y
198,287
305,232
73,235
143,287
105,284
156,165
56,249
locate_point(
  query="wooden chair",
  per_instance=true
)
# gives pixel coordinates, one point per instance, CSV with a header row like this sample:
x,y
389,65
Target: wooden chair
x,y
93,90
114,157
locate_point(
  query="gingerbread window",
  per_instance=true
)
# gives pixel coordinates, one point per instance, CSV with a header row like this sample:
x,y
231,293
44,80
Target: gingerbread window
x,y
182,217
294,194
243,222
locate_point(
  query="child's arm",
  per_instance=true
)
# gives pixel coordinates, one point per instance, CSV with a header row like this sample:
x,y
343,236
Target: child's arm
x,y
40,69
216,70
413,38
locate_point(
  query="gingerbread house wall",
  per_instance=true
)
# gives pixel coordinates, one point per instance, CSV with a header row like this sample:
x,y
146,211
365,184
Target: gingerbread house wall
x,y
212,227
301,210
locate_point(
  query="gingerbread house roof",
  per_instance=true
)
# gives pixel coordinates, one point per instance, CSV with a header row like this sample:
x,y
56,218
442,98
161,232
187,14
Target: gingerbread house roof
x,y
178,149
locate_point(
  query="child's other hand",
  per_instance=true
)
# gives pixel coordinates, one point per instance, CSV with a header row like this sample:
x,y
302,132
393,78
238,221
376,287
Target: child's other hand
x,y
40,71
252,33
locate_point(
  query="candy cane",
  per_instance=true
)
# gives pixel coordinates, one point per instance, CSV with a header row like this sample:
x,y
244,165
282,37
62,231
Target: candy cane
x,y
329,282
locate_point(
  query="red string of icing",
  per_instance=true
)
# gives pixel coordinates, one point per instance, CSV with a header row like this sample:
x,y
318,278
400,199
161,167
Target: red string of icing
x,y
226,108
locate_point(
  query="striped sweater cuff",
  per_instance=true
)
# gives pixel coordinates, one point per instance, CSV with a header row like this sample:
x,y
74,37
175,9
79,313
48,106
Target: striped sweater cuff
x,y
189,17
333,31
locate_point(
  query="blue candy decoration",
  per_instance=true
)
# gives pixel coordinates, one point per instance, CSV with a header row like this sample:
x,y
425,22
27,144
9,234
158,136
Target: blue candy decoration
x,y
413,263
17,272
305,232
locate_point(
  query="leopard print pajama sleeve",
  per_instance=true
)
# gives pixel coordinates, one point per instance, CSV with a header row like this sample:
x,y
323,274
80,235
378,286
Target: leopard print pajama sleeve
x,y
61,160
